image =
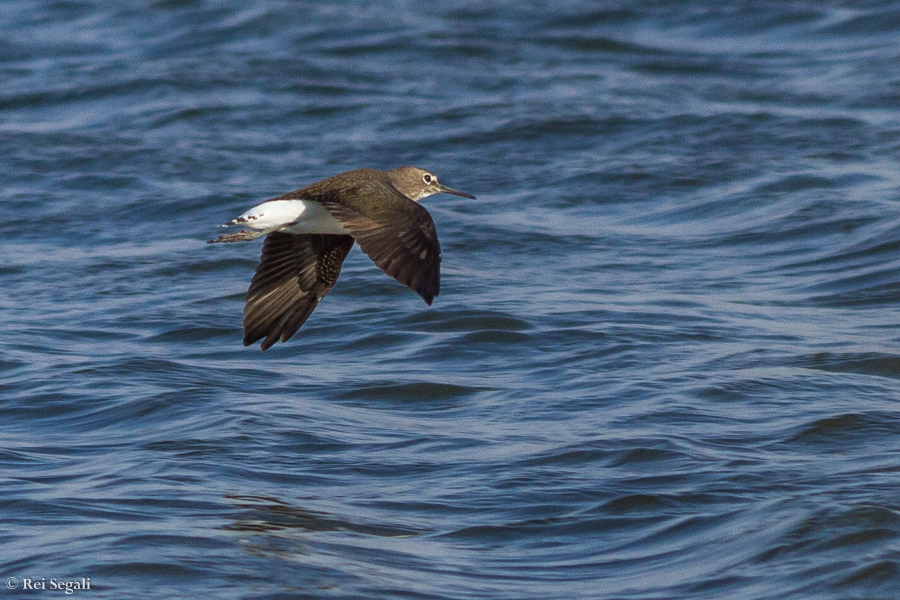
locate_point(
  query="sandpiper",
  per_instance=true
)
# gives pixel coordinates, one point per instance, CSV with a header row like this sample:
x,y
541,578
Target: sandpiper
x,y
310,231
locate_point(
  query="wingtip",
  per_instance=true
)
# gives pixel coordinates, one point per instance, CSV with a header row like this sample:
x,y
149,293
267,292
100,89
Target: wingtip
x,y
263,346
269,342
250,341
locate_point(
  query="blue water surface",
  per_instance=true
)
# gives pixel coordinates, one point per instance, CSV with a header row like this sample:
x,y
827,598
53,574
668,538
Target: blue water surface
x,y
664,363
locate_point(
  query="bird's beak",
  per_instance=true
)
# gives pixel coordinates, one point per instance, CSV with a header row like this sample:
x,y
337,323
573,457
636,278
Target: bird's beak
x,y
447,190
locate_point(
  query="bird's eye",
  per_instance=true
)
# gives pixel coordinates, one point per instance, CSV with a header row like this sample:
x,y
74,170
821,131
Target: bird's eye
x,y
427,178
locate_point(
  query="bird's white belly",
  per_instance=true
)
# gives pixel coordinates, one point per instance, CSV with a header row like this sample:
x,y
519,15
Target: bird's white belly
x,y
291,216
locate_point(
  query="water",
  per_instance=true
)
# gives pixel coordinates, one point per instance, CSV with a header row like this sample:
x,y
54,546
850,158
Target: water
x,y
664,362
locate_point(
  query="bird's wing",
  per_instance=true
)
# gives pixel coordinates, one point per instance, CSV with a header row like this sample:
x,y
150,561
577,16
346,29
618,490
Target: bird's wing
x,y
395,232
294,273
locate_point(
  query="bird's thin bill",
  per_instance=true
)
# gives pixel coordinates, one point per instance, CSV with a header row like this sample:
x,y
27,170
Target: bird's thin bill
x,y
448,190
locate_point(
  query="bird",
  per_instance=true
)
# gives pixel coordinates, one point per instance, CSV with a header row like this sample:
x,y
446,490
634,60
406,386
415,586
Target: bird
x,y
310,231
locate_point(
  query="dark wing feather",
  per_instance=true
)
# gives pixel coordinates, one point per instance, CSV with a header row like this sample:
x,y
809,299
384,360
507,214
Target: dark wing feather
x,y
395,232
294,274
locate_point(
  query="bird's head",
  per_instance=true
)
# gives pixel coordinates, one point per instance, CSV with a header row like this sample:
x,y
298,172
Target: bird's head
x,y
416,183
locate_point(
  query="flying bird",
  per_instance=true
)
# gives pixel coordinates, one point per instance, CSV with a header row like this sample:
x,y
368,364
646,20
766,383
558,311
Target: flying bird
x,y
310,231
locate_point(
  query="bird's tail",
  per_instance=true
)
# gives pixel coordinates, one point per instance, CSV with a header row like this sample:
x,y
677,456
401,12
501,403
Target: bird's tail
x,y
245,235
